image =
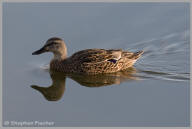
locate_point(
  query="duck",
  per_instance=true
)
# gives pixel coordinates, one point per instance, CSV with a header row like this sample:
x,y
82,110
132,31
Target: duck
x,y
88,61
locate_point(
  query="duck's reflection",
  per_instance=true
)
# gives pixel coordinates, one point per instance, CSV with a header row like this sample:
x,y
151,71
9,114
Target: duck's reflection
x,y
56,90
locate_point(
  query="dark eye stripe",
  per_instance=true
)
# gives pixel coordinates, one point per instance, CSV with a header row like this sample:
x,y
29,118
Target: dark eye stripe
x,y
53,43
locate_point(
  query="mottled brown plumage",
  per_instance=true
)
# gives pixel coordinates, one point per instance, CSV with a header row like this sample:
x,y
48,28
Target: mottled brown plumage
x,y
89,61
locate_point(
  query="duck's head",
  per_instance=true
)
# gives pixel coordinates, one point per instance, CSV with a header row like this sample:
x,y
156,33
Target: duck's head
x,y
56,46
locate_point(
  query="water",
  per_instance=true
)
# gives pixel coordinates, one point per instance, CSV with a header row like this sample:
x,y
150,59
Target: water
x,y
155,92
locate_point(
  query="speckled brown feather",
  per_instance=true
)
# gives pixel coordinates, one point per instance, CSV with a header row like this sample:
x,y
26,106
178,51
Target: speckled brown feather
x,y
95,61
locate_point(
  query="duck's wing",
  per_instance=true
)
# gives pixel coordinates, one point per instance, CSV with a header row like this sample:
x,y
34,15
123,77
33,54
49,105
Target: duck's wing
x,y
96,55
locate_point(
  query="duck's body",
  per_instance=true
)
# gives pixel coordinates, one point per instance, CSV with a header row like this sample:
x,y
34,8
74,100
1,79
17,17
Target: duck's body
x,y
89,61
94,61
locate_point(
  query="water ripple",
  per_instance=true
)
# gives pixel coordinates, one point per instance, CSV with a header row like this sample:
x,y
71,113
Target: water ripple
x,y
165,58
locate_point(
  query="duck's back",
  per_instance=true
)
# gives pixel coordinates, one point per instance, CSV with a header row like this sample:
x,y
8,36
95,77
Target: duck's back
x,y
94,55
94,61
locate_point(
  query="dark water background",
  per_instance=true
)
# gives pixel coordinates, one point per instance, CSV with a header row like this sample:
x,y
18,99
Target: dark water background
x,y
153,93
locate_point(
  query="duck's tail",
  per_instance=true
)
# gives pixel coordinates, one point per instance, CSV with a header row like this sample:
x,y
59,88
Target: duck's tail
x,y
136,55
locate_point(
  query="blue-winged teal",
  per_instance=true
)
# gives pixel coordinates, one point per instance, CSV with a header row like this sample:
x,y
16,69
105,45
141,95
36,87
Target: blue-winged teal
x,y
89,61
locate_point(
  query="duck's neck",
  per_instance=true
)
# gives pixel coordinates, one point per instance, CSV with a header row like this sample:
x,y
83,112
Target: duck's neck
x,y
60,55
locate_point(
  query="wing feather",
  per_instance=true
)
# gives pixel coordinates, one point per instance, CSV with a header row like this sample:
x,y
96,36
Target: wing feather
x,y
96,55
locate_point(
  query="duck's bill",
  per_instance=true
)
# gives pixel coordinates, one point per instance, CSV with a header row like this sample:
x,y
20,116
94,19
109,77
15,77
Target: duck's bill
x,y
42,50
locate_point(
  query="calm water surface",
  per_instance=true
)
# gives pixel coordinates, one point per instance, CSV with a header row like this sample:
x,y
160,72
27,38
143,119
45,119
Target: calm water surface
x,y
155,92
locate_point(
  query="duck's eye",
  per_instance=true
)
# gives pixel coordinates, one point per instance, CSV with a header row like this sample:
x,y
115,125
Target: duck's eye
x,y
51,44
56,46
54,43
